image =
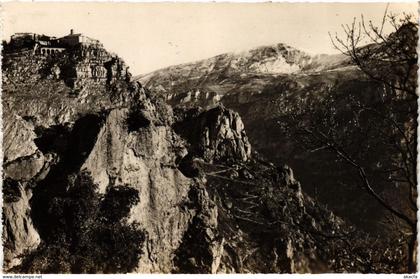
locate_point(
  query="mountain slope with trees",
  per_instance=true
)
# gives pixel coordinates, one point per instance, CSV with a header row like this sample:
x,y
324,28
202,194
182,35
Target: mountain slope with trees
x,y
349,130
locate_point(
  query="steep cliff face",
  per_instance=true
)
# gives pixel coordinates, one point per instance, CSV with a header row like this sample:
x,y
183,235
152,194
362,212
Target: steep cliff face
x,y
39,108
185,185
19,234
145,159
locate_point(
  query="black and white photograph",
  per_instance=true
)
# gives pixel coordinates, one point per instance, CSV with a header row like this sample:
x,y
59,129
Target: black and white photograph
x,y
209,138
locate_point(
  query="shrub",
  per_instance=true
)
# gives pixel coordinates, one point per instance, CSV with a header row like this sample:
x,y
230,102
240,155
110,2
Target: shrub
x,y
90,233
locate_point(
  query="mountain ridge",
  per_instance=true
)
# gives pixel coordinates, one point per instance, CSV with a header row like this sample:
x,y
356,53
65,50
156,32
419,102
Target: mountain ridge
x,y
264,100
270,59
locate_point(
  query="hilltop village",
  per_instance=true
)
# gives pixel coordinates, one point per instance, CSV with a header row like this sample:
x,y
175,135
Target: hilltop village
x,y
46,45
73,57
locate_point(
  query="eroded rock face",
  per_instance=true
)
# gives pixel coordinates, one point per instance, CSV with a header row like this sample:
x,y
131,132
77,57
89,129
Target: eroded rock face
x,y
202,244
23,163
145,160
19,234
36,98
16,129
216,135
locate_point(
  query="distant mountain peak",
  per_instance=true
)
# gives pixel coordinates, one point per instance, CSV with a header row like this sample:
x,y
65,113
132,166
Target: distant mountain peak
x,y
274,59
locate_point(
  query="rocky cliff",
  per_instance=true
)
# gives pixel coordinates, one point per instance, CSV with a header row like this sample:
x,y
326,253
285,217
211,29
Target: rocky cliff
x,y
100,176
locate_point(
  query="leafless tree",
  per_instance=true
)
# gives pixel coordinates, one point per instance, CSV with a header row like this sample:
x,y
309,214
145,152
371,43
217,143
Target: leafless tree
x,y
390,59
374,135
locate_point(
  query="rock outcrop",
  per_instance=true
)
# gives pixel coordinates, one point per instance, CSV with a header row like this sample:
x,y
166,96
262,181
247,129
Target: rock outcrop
x,y
19,234
216,135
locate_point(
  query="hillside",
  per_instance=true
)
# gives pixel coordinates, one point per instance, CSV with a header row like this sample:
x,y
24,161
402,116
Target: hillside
x,y
263,98
347,129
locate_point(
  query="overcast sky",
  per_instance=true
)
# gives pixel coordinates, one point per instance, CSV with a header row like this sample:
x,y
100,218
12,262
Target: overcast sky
x,y
152,36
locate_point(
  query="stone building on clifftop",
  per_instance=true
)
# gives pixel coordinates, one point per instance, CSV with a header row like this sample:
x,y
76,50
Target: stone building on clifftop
x,y
73,39
48,45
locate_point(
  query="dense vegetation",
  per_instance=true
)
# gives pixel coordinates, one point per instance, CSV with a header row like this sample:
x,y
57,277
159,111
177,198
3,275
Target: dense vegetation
x,y
372,133
89,231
